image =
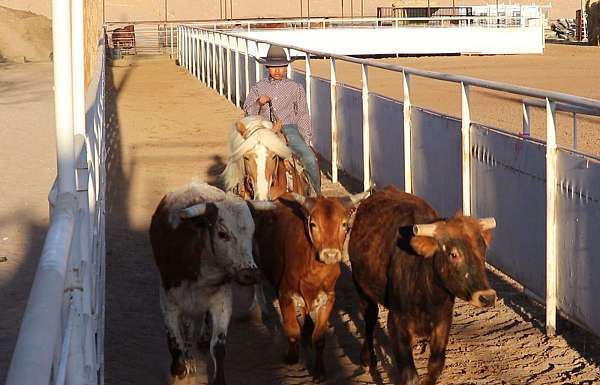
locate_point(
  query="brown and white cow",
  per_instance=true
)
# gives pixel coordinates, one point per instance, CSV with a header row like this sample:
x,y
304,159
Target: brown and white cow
x,y
299,249
202,240
414,263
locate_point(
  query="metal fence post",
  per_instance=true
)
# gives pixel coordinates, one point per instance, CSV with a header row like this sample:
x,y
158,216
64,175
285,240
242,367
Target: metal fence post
x,y
407,127
308,82
183,63
247,67
171,57
365,129
334,127
188,46
179,44
551,218
203,56
526,120
220,48
208,60
193,51
257,63
288,53
466,148
198,54
237,72
228,47
214,60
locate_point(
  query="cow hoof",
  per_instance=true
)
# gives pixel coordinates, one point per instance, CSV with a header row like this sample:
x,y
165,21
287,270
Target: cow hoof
x,y
178,370
190,365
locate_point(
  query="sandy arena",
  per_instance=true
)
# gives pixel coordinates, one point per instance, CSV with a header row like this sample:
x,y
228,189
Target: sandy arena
x,y
166,128
157,145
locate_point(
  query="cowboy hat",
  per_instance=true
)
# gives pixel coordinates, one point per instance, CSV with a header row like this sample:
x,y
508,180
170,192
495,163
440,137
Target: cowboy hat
x,y
276,57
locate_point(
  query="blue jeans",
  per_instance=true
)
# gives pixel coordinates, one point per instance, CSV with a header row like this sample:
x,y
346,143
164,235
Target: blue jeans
x,y
300,149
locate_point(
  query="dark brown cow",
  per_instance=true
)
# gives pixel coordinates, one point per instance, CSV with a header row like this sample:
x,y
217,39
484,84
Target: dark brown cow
x,y
416,271
299,249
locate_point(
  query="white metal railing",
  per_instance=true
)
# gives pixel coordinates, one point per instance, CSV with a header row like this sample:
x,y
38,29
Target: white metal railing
x,y
370,22
155,37
61,338
212,40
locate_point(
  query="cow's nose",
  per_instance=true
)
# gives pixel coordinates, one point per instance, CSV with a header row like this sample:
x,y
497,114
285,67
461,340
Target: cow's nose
x,y
484,298
248,276
330,256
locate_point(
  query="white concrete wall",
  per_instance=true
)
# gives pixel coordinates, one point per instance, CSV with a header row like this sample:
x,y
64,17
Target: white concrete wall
x,y
347,41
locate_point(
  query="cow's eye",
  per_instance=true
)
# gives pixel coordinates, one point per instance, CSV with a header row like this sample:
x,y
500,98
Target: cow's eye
x,y
454,254
345,226
313,225
223,235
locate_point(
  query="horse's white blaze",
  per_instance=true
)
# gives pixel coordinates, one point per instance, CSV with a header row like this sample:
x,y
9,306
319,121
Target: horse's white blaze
x,y
262,181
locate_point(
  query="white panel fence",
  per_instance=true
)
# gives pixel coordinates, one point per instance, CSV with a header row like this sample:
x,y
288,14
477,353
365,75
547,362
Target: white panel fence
x,y
546,198
61,338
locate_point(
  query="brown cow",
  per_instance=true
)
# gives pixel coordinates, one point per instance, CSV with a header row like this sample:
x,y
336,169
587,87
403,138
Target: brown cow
x,y
299,249
415,264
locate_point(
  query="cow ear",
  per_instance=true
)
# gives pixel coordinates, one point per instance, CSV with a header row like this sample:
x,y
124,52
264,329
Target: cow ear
x,y
487,237
425,246
307,204
240,127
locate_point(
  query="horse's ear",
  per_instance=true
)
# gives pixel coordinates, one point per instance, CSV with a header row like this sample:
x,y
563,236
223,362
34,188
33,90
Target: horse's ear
x,y
240,127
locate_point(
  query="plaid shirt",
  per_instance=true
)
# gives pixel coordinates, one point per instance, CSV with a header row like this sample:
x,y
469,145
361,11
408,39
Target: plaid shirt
x,y
288,100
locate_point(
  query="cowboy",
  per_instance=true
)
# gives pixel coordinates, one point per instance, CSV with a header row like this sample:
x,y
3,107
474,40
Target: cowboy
x,y
283,101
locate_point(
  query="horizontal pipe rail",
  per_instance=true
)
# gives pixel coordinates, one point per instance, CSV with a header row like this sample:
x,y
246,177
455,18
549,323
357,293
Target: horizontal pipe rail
x,y
32,359
563,107
591,104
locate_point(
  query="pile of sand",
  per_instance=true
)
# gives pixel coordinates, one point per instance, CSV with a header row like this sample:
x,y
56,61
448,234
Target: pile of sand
x,y
24,36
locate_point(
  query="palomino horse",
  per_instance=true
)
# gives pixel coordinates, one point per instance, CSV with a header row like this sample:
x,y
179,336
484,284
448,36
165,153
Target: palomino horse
x,y
260,163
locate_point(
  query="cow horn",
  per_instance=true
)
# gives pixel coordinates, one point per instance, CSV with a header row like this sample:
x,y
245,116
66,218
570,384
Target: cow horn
x,y
262,205
427,230
359,197
298,198
487,223
193,211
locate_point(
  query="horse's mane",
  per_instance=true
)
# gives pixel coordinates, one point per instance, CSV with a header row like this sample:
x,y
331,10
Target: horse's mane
x,y
260,131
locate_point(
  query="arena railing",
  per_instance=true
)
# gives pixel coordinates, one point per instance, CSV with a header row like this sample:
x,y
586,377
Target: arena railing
x,y
61,337
159,37
207,54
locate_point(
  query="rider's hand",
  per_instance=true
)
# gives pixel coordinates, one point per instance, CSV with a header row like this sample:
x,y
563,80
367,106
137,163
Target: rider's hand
x,y
264,100
277,126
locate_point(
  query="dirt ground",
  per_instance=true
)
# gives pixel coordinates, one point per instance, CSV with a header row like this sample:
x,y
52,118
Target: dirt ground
x,y
28,166
569,69
165,129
